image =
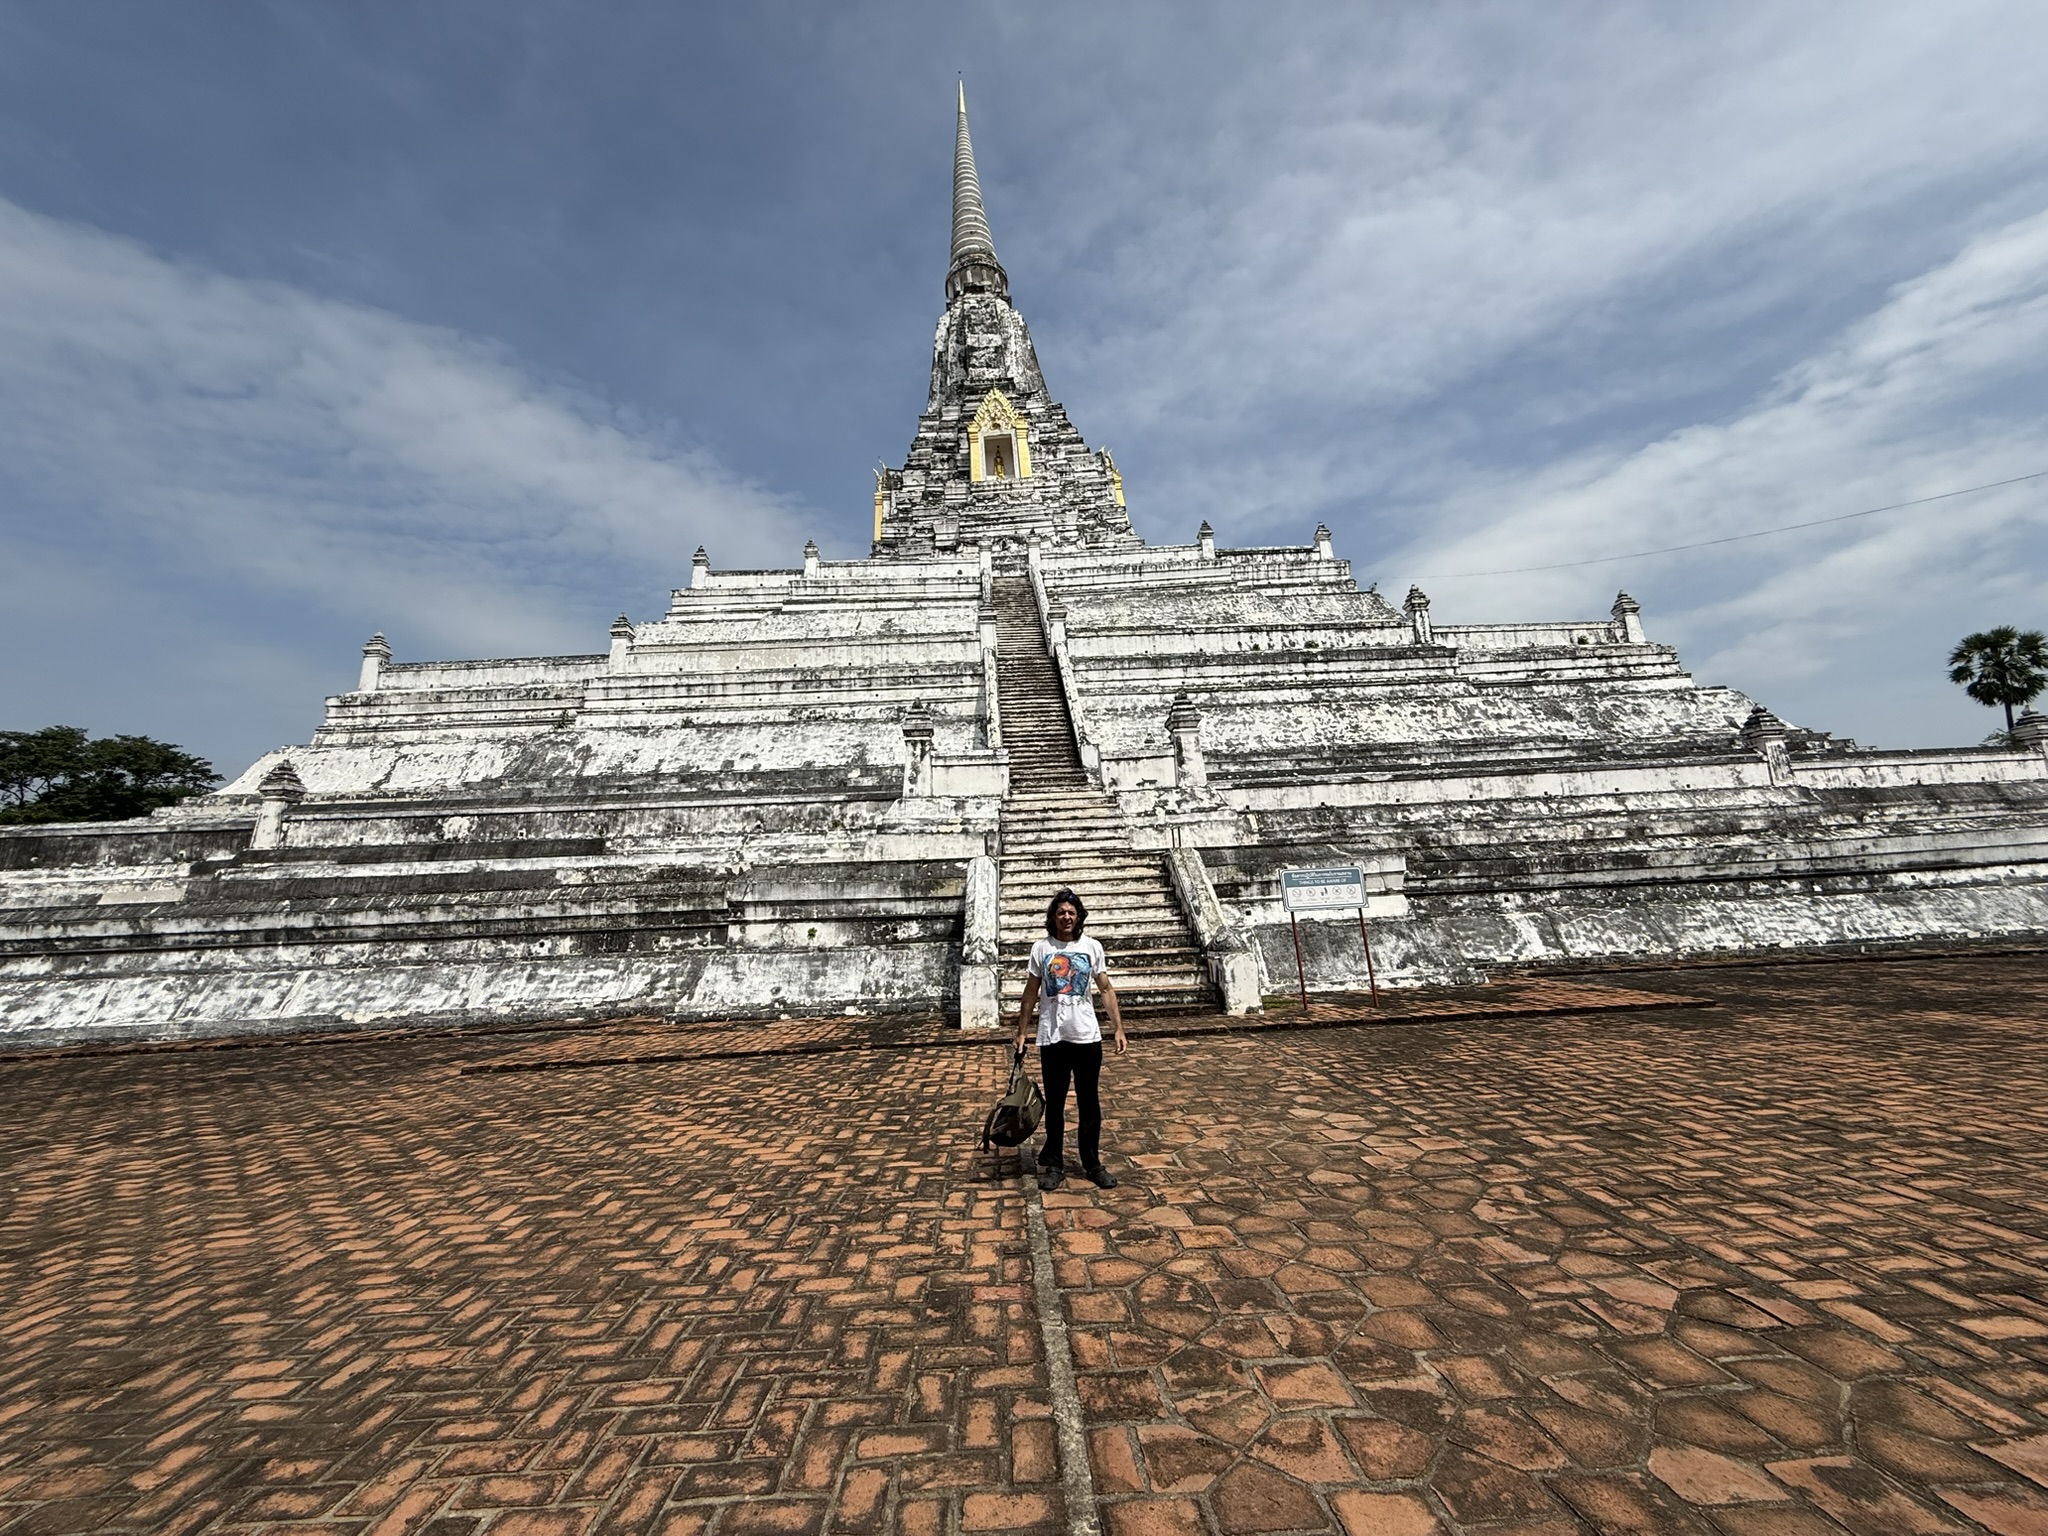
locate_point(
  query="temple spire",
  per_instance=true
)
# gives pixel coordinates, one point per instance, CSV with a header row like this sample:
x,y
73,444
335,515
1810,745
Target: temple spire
x,y
974,268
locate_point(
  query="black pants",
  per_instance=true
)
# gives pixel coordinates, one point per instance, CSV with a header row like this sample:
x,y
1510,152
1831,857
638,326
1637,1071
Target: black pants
x,y
1061,1061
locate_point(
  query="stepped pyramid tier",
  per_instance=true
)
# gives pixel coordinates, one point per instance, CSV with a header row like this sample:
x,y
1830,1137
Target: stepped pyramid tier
x,y
851,786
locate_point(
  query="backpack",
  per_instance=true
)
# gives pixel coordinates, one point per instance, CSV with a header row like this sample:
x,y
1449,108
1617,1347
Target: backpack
x,y
1017,1112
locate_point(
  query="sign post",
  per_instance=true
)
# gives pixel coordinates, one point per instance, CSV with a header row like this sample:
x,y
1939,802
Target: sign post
x,y
1300,971
1326,890
1371,980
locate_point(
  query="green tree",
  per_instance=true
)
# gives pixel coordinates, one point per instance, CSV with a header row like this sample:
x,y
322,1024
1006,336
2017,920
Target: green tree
x,y
2001,666
59,774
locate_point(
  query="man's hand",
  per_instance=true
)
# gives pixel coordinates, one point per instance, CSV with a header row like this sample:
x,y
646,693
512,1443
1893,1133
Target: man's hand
x,y
1122,1044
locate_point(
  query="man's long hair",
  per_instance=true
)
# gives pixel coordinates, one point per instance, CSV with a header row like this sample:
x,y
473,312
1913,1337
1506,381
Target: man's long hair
x,y
1067,899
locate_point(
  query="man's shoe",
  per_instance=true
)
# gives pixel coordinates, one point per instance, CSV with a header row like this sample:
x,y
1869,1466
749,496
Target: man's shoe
x,y
1103,1178
1051,1176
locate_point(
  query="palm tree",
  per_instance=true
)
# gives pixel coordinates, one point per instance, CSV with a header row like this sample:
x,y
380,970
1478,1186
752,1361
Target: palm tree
x,y
2001,666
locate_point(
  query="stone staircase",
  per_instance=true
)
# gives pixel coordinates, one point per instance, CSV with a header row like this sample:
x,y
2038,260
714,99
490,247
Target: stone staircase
x,y
1058,830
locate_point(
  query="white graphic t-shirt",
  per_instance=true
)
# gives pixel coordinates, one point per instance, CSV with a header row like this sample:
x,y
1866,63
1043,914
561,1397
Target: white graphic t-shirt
x,y
1065,972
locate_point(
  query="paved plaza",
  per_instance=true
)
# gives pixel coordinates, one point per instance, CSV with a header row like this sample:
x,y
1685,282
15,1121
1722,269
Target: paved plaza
x,y
1772,1266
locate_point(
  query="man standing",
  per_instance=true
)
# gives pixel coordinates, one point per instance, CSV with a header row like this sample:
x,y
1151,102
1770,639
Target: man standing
x,y
1063,966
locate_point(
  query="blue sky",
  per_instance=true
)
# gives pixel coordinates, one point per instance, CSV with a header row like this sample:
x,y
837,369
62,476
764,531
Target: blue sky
x,y
469,321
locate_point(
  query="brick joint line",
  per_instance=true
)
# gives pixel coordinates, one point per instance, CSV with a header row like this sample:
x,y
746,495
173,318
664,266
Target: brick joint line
x,y
1077,1481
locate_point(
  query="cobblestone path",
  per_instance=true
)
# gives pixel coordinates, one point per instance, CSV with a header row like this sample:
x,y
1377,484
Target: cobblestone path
x,y
1775,1267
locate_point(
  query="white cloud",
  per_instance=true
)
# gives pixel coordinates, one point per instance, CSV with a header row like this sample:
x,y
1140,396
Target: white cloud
x,y
1940,388
164,423
1401,245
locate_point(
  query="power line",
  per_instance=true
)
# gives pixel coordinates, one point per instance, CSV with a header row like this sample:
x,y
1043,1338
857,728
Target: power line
x,y
1736,538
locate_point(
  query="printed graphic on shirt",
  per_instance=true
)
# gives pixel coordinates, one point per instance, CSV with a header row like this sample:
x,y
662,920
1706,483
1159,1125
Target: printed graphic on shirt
x,y
1066,973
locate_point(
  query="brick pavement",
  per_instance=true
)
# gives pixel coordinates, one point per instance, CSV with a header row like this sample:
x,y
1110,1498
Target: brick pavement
x,y
1775,1267
344,1289
639,1041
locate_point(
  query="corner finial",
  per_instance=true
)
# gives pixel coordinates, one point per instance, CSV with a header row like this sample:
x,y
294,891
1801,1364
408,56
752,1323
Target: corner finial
x,y
282,783
375,655
280,790
1762,728
1420,629
1628,618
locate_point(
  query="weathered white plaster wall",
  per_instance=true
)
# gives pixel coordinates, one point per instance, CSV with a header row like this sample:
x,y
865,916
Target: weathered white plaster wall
x,y
723,814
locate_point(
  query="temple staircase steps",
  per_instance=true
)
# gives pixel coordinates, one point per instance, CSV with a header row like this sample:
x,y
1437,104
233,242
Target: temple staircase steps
x,y
1058,831
1038,732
